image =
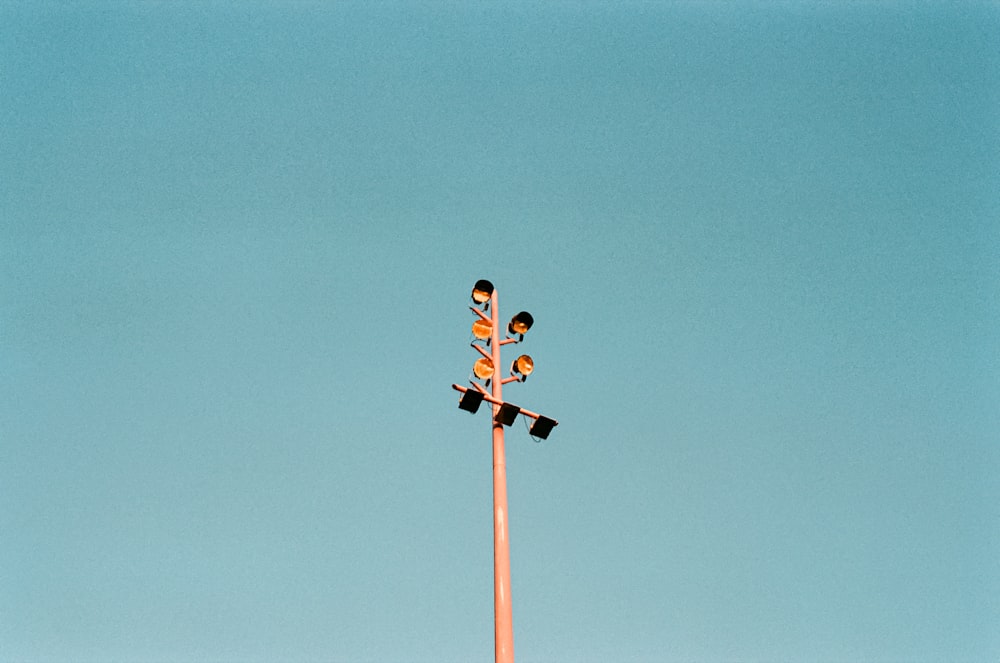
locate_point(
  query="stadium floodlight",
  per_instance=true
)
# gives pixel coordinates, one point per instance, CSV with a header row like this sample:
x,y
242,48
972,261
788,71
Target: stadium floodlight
x,y
482,329
507,414
520,324
471,400
487,385
481,292
483,368
542,427
522,366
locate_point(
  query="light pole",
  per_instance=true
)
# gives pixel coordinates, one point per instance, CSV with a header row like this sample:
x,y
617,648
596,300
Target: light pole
x,y
486,328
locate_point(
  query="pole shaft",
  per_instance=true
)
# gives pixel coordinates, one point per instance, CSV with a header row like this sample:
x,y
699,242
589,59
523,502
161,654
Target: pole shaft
x,y
503,615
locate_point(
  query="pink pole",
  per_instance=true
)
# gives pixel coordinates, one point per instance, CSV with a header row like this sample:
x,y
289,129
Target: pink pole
x,y
504,621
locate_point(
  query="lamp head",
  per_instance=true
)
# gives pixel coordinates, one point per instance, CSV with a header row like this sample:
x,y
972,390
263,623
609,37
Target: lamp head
x,y
506,414
483,368
482,329
482,291
471,400
522,366
520,323
542,427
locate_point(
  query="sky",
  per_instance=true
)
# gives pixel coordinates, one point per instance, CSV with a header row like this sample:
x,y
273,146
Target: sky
x,y
760,242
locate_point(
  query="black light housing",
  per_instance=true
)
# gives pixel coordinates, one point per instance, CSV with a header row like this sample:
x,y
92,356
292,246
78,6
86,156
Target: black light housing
x,y
507,414
542,427
482,291
520,324
471,400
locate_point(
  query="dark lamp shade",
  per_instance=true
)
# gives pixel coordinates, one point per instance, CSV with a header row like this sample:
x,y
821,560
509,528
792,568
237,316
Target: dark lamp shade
x,y
471,400
507,414
542,427
520,323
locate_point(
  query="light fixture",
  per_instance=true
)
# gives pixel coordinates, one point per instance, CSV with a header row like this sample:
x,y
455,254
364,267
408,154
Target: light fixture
x,y
483,368
482,329
471,400
522,366
482,291
542,427
507,414
520,323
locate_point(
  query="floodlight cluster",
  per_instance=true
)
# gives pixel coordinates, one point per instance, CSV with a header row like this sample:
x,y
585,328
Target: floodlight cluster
x,y
485,370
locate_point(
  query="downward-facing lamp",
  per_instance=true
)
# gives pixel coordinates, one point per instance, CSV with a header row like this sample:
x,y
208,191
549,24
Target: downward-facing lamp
x,y
471,400
506,414
542,427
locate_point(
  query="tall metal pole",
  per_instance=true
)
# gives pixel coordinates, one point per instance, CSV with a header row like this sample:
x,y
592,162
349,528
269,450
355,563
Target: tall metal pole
x,y
504,621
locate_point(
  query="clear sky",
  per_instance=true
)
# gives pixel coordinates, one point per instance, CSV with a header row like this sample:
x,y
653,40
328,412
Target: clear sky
x,y
761,243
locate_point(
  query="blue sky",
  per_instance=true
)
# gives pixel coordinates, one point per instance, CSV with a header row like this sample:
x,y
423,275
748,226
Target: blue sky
x,y
760,243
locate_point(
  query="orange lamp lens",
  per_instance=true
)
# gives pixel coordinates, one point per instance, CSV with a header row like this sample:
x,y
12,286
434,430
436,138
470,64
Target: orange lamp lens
x,y
481,329
483,368
523,365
